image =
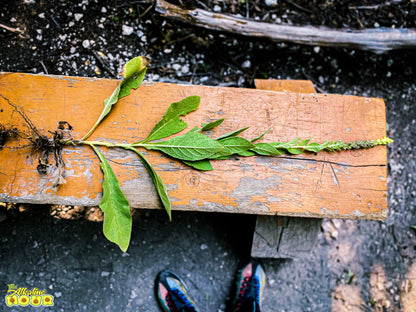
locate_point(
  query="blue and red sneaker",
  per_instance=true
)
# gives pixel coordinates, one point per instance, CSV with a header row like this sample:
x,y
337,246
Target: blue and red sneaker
x,y
250,286
173,294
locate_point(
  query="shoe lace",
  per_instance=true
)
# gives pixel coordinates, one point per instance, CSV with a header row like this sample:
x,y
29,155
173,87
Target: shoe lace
x,y
248,295
178,302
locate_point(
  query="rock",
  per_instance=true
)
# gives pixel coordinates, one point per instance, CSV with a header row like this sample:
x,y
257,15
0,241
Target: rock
x,y
127,30
86,44
270,2
78,16
246,64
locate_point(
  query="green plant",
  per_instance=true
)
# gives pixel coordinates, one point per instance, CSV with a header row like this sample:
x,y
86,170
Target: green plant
x,y
194,148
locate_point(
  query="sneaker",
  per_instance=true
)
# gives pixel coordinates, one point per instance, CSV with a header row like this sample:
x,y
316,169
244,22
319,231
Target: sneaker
x,y
250,286
173,294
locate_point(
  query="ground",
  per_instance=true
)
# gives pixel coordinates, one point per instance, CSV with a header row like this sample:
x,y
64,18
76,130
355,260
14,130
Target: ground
x,y
355,265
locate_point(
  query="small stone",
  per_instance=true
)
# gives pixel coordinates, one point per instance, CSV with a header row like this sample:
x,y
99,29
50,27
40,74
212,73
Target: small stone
x,y
72,50
185,69
86,44
62,37
246,64
317,49
127,30
41,15
105,274
58,294
78,16
176,66
204,247
270,2
139,33
217,8
103,10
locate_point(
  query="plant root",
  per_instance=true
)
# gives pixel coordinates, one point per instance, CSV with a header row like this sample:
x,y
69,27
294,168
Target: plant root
x,y
6,134
41,144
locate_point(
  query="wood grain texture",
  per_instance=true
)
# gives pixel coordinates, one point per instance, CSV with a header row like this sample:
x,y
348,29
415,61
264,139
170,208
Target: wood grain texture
x,y
284,237
281,85
339,185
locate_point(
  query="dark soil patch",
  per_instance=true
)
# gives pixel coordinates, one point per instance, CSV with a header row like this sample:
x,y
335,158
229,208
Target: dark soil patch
x,y
95,38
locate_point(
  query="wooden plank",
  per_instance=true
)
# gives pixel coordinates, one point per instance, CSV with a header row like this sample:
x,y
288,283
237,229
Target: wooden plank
x,y
284,237
280,237
341,185
281,85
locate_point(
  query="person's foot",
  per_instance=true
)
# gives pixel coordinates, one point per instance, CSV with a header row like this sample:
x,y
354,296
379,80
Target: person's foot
x,y
250,286
172,293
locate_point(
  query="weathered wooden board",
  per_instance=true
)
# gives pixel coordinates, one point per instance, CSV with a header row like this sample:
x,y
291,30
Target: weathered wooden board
x,y
284,237
280,85
341,185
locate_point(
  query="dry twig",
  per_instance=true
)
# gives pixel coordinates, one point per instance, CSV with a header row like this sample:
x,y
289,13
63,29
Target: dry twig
x,y
378,40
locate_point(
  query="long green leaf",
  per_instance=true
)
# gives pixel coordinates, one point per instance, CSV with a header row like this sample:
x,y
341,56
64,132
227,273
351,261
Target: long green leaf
x,y
265,149
117,219
131,83
232,134
191,146
236,144
260,136
171,122
160,186
202,165
133,74
212,124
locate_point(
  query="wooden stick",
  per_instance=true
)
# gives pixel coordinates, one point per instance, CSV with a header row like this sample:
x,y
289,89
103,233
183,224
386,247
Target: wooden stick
x,y
378,40
14,30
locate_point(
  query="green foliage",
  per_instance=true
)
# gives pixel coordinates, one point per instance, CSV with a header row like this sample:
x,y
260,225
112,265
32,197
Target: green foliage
x,y
212,125
232,133
194,148
171,122
202,165
117,219
191,146
157,181
133,74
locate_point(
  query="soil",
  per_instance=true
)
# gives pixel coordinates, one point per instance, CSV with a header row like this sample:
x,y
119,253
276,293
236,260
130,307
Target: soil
x,y
355,265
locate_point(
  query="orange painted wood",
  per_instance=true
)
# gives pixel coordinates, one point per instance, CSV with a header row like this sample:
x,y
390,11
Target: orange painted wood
x,y
280,85
339,185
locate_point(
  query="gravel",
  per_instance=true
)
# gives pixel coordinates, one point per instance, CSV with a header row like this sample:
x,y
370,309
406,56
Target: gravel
x,y
351,258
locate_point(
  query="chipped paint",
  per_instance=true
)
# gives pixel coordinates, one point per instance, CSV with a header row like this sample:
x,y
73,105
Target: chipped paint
x,y
294,186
